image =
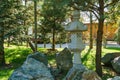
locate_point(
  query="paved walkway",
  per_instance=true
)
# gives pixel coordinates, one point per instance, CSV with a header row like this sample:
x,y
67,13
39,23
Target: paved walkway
x,y
109,44
112,44
50,45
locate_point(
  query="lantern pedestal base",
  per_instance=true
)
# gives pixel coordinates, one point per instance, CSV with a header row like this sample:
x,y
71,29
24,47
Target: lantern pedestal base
x,y
75,73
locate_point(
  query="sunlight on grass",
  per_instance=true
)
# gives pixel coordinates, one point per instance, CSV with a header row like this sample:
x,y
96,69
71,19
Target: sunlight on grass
x,y
15,56
52,63
4,74
88,59
110,50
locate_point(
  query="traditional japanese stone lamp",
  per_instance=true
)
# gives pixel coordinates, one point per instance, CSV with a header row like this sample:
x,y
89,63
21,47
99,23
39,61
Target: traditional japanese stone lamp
x,y
76,45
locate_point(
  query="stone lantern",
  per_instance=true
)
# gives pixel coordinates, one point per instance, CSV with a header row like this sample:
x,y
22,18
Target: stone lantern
x,y
76,45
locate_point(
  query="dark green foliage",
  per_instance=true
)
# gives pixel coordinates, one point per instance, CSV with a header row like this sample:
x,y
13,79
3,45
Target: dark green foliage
x,y
53,15
11,18
7,20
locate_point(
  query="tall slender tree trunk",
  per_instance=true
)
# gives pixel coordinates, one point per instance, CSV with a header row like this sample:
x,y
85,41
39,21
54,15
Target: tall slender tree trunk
x,y
44,44
8,42
45,41
35,22
2,56
60,45
98,49
26,29
91,30
99,38
26,33
53,43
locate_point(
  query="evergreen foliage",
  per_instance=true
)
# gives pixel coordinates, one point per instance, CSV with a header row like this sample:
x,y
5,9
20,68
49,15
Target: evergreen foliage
x,y
53,16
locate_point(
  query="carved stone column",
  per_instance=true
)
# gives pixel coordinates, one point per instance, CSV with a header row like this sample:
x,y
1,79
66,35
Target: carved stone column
x,y
76,45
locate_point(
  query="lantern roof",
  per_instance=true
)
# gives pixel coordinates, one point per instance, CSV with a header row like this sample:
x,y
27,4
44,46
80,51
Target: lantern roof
x,y
76,25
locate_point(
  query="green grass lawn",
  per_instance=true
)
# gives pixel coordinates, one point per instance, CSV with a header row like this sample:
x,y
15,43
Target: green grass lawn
x,y
15,56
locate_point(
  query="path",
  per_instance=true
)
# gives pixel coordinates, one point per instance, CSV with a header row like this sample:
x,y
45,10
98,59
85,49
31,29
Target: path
x,y
109,44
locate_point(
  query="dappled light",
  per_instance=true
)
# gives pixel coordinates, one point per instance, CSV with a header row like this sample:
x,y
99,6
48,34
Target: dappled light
x,y
43,32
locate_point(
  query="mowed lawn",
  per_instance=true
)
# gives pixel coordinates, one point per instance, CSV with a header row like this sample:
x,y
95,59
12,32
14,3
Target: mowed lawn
x,y
15,56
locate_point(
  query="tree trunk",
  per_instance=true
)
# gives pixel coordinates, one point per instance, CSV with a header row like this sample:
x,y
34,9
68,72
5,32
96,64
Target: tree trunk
x,y
53,43
35,22
60,45
31,46
8,42
44,44
98,49
91,37
2,56
99,38
26,29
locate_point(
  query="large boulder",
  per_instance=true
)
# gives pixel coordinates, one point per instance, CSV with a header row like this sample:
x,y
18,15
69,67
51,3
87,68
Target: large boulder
x,y
116,64
64,59
109,57
39,57
32,69
116,78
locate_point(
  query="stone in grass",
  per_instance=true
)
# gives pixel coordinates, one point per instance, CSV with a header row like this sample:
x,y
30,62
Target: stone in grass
x,y
116,78
32,69
39,57
90,75
109,57
86,75
64,59
116,64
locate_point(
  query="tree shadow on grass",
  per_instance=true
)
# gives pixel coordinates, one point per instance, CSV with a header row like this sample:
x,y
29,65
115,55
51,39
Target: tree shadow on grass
x,y
108,73
89,60
113,48
86,55
16,57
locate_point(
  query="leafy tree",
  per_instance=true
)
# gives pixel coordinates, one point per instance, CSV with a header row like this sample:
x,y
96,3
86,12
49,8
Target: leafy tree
x,y
61,38
114,18
44,36
35,22
91,29
8,10
53,16
90,15
98,8
23,19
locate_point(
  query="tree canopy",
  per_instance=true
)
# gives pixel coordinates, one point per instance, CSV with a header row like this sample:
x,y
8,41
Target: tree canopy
x,y
53,15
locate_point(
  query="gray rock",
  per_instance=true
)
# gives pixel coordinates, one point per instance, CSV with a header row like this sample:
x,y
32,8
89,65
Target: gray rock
x,y
116,64
109,57
109,79
86,75
55,71
116,78
64,59
90,75
39,57
74,74
32,70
